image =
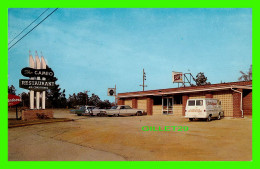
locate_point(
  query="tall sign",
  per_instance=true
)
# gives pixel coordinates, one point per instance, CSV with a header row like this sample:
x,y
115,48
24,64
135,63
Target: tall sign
x,y
41,78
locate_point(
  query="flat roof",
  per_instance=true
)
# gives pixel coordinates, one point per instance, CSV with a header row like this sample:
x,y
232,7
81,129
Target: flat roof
x,y
190,89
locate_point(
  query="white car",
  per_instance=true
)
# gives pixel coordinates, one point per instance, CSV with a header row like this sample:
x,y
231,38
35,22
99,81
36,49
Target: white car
x,y
98,112
204,108
123,110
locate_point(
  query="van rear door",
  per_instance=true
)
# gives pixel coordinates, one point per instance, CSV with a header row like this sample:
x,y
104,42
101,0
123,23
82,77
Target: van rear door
x,y
195,108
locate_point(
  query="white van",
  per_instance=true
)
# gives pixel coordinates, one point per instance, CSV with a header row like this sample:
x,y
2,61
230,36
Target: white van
x,y
204,108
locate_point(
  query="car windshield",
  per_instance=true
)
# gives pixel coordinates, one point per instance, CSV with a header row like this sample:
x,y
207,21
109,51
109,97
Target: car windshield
x,y
82,108
113,107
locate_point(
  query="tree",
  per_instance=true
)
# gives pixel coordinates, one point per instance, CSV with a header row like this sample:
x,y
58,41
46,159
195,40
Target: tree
x,y
246,76
104,104
11,89
201,79
94,100
25,99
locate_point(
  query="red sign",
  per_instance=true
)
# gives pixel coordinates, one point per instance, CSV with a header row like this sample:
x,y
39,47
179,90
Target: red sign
x,y
13,100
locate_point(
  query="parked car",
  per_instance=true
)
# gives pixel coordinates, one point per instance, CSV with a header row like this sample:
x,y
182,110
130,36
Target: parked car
x,y
84,110
123,110
204,108
98,112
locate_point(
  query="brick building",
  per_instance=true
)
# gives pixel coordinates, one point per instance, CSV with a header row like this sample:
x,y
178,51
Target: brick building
x,y
173,100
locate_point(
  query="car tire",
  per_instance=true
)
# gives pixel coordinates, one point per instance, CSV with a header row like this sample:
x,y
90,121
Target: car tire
x,y
138,113
219,117
190,119
209,118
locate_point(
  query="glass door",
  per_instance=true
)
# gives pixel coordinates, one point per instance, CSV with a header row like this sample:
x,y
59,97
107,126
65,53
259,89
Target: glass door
x,y
167,105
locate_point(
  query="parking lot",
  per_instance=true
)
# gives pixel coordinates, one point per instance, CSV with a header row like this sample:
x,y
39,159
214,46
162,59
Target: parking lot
x,y
122,138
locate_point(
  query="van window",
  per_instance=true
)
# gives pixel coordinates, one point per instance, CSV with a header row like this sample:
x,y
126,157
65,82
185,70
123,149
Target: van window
x,y
191,103
199,102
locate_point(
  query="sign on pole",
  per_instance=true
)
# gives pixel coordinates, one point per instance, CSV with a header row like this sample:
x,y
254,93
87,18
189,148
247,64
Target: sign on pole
x,y
13,100
111,91
177,77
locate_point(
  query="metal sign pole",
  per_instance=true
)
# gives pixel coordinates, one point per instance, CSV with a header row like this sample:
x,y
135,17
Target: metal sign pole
x,y
32,65
16,112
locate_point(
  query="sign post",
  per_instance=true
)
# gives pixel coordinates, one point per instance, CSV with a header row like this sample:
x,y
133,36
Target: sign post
x,y
32,78
112,92
41,78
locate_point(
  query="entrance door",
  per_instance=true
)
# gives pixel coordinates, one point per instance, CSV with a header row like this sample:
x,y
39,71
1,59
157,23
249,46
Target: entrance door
x,y
167,105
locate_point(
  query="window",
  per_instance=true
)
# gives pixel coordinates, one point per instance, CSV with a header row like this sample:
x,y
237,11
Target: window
x,y
114,107
128,107
199,102
157,100
177,99
191,103
122,107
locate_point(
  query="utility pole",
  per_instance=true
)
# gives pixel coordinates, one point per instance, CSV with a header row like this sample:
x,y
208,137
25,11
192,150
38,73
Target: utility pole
x,y
87,96
115,95
144,78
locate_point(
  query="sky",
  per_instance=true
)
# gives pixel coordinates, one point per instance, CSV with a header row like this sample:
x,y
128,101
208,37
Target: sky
x,y
96,49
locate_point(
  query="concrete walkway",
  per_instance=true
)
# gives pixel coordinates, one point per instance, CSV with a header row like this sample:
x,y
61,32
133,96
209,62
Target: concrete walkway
x,y
26,146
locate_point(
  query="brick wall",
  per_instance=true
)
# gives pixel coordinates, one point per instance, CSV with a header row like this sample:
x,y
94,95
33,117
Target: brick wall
x,y
142,104
134,103
157,109
184,101
120,102
236,104
36,114
208,95
177,109
247,102
149,106
226,98
128,102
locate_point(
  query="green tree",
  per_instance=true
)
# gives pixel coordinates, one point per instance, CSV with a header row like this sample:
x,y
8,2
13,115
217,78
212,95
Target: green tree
x,y
201,79
11,89
94,100
25,99
246,76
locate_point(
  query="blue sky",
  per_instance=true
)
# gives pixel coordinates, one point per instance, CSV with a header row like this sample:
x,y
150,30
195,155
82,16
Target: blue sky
x,y
94,49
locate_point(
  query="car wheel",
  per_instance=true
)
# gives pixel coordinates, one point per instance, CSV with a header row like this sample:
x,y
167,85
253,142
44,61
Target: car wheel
x,y
219,117
139,113
190,119
209,118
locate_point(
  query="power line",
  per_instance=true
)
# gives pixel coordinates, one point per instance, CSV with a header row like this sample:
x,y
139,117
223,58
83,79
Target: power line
x,y
33,28
28,26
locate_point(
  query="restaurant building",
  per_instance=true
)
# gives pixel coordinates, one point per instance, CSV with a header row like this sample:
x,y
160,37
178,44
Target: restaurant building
x,y
235,97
